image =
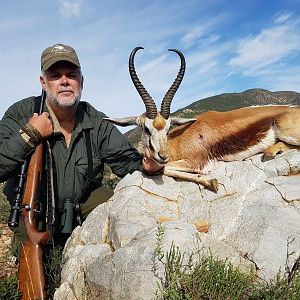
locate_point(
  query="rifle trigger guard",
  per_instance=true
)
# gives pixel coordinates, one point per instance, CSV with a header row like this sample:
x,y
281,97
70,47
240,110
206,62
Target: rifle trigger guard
x,y
38,209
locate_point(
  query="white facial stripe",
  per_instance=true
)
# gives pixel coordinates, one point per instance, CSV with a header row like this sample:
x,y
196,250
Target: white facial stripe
x,y
157,139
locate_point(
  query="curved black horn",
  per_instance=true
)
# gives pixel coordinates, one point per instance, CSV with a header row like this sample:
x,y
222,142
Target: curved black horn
x,y
151,109
166,103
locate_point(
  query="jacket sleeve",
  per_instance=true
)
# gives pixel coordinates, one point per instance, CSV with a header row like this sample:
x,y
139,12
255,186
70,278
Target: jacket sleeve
x,y
13,149
117,152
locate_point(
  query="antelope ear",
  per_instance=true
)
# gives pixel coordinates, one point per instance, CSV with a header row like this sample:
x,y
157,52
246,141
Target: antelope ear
x,y
181,121
123,121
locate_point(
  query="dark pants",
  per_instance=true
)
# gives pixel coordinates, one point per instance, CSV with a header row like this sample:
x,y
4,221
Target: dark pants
x,y
96,198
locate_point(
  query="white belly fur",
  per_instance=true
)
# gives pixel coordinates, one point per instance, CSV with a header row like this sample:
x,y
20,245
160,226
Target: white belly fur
x,y
268,141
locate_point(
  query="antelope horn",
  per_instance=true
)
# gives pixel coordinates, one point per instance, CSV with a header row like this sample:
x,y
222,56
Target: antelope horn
x,y
151,109
166,103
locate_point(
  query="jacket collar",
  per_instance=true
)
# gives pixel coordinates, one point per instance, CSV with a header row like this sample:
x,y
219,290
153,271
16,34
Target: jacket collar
x,y
82,121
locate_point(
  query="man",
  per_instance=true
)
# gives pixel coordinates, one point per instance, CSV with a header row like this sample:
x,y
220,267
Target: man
x,y
80,140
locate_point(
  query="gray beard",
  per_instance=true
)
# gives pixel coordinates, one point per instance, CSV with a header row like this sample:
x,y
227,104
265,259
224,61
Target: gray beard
x,y
64,104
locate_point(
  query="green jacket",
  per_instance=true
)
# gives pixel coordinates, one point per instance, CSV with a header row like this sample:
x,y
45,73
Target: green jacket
x,y
108,146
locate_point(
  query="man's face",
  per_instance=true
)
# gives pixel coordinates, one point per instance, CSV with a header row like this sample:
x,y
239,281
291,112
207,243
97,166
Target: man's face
x,y
63,84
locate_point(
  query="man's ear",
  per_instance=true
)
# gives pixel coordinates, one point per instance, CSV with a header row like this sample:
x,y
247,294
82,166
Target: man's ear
x,y
82,79
42,81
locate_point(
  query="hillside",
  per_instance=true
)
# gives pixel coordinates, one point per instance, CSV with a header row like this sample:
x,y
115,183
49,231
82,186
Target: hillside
x,y
228,101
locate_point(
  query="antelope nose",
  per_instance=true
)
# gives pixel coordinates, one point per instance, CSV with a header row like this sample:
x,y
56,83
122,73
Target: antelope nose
x,y
163,156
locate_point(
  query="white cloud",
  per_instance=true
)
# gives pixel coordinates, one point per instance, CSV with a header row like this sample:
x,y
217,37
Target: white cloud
x,y
70,8
269,46
195,33
207,67
213,38
207,34
158,73
283,17
280,77
202,57
203,32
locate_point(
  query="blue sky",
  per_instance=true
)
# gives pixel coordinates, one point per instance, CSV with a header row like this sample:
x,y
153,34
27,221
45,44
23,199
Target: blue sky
x,y
229,46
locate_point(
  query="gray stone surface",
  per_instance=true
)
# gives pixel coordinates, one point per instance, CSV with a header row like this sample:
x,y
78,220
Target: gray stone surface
x,y
250,220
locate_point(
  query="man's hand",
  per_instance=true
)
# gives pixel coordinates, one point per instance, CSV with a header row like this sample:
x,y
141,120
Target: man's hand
x,y
150,165
42,123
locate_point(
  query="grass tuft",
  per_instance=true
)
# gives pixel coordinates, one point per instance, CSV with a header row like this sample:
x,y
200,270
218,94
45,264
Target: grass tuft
x,y
9,288
53,263
215,279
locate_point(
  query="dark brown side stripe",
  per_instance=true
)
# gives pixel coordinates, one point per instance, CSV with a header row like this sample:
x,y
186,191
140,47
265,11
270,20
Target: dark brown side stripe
x,y
241,140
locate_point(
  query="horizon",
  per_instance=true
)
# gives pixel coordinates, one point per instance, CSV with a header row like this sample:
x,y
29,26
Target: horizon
x,y
229,48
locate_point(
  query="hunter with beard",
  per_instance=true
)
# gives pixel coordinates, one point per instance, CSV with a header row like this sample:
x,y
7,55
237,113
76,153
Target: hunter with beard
x,y
78,136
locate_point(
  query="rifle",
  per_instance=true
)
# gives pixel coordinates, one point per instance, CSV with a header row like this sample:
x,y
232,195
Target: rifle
x,y
30,273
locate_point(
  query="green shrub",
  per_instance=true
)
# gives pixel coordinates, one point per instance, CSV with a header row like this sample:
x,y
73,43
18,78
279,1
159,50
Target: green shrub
x,y
284,286
53,262
214,279
210,279
8,288
4,206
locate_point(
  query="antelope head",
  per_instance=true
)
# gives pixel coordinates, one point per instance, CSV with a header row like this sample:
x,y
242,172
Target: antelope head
x,y
155,124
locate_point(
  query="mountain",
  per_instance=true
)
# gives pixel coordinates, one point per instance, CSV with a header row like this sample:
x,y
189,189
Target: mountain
x,y
228,101
232,101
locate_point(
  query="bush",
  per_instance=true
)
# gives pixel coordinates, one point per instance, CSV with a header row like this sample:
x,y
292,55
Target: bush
x,y
9,288
53,263
211,279
214,279
4,206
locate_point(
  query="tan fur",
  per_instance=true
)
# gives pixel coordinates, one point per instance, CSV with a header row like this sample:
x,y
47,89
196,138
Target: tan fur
x,y
278,148
216,135
159,122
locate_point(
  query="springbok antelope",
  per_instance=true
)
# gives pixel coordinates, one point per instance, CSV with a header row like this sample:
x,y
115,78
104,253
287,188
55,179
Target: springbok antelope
x,y
195,145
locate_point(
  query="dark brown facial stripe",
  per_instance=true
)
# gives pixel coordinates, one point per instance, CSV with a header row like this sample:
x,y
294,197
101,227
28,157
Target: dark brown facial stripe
x,y
241,140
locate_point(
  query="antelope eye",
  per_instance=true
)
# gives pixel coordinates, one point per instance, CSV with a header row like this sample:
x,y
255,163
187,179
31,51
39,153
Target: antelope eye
x,y
147,131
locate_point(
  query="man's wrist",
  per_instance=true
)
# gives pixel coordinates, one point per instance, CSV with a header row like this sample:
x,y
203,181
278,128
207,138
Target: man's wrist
x,y
30,135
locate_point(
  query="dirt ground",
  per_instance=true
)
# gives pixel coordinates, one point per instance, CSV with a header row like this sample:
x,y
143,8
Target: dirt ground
x,y
7,263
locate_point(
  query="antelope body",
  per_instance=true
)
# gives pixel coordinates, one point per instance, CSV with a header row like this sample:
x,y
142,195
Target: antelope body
x,y
195,145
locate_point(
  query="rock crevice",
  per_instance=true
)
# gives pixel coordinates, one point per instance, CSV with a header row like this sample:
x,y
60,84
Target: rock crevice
x,y
249,221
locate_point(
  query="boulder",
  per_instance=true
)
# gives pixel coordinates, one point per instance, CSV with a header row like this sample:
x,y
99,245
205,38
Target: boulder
x,y
253,220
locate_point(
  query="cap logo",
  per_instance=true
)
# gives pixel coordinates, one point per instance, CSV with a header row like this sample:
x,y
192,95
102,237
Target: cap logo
x,y
58,49
56,53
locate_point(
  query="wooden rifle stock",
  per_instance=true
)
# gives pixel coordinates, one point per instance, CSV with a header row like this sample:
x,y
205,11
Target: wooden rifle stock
x,y
31,274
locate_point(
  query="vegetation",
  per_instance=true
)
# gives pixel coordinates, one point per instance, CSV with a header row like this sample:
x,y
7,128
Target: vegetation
x,y
214,279
8,288
4,206
53,263
230,101
109,179
8,285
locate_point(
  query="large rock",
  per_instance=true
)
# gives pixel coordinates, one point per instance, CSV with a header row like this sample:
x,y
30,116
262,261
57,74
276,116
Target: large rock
x,y
251,219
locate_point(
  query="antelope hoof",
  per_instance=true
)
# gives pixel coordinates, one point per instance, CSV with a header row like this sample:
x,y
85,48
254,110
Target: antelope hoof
x,y
214,185
267,157
274,150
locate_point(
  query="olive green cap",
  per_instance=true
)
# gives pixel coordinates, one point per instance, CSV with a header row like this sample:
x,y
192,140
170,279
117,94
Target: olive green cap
x,y
58,52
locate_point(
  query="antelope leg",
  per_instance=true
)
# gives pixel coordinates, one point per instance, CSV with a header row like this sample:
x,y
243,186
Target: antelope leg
x,y
277,148
211,184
